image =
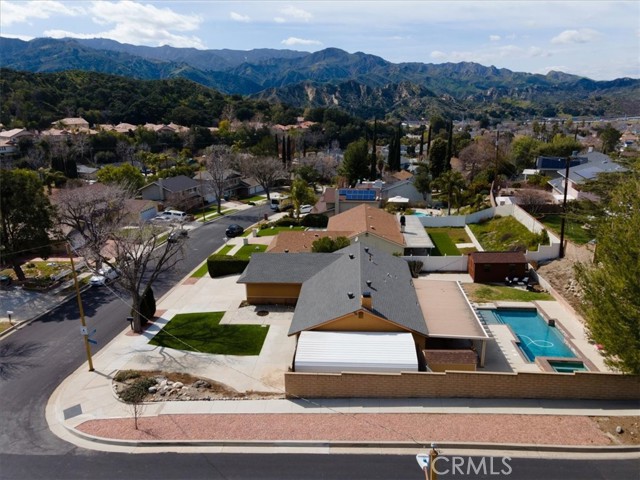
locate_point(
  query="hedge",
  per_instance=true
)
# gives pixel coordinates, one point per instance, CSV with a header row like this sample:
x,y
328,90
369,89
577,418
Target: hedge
x,y
221,265
315,220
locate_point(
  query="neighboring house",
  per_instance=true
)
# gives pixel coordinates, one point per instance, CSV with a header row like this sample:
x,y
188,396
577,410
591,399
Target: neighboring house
x,y
297,242
371,226
249,187
233,187
550,166
159,128
72,124
488,267
348,198
15,135
141,210
596,163
327,202
8,150
368,225
179,192
87,173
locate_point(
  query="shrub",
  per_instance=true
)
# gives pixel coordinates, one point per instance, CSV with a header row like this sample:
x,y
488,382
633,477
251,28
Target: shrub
x,y
286,222
315,220
328,244
123,375
221,265
136,392
147,306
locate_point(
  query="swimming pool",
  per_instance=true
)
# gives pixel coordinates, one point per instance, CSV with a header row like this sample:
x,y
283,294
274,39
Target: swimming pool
x,y
535,337
567,367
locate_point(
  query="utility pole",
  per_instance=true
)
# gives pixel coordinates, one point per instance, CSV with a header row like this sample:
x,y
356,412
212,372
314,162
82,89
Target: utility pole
x,y
564,206
84,331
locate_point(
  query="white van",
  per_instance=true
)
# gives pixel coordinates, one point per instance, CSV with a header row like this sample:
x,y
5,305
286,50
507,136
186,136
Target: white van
x,y
173,215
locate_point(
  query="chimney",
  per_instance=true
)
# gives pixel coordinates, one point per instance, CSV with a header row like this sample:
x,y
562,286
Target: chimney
x,y
366,300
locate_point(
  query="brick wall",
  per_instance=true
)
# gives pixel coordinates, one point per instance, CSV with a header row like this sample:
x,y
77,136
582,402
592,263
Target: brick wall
x,y
580,385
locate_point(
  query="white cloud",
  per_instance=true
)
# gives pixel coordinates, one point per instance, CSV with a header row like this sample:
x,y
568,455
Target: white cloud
x,y
279,20
239,18
494,38
138,24
25,38
296,13
584,35
23,12
438,55
291,41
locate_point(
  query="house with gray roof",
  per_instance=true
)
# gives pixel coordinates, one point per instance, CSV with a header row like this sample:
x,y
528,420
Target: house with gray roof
x,y
179,192
596,164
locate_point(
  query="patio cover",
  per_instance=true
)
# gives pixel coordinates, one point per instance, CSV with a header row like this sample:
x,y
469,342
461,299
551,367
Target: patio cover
x,y
398,199
334,352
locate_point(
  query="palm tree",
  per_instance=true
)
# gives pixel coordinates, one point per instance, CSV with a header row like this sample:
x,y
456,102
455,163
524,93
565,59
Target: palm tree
x,y
450,182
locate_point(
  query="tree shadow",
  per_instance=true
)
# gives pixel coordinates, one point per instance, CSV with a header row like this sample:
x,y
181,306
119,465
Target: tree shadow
x,y
14,357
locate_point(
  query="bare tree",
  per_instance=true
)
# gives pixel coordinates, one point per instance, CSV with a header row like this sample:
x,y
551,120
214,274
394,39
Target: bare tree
x,y
133,249
266,170
532,199
125,151
218,161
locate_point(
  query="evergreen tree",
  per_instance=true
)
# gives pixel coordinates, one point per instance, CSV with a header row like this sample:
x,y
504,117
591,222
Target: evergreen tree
x,y
438,157
355,165
429,140
611,286
374,163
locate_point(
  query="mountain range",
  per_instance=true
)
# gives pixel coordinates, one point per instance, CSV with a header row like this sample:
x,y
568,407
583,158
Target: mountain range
x,y
361,84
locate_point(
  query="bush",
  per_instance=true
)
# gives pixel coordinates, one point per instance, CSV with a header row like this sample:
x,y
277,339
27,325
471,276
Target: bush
x,y
315,220
136,392
123,375
221,265
286,222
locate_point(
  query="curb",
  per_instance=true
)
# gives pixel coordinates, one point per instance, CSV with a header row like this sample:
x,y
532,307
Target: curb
x,y
627,449
15,326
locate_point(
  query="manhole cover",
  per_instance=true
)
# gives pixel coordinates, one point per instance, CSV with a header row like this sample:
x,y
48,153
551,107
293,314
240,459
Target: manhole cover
x,y
262,313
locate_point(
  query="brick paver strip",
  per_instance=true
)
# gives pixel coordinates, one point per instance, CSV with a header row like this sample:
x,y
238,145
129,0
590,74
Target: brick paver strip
x,y
405,427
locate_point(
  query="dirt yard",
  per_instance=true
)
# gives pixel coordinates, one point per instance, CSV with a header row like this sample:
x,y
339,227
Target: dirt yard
x,y
560,273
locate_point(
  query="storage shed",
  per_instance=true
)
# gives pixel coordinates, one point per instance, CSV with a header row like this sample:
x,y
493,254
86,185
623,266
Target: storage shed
x,y
334,352
488,267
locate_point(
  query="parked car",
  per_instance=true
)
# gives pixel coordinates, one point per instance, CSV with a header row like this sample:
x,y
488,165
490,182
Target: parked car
x,y
177,235
234,230
304,209
103,276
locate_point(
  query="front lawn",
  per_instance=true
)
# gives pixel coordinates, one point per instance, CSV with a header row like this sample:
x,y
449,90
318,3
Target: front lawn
x,y
202,332
504,234
480,293
201,271
269,231
246,251
254,199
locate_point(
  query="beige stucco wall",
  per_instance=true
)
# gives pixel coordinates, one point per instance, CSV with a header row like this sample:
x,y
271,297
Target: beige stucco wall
x,y
273,293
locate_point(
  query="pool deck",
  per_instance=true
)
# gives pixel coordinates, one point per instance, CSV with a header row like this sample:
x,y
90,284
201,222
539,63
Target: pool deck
x,y
572,328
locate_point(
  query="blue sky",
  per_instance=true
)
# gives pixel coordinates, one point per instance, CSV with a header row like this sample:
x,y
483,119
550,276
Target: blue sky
x,y
596,39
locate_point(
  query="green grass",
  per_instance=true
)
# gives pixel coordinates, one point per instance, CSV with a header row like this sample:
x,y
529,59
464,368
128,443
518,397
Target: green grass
x,y
489,293
247,250
225,250
255,199
444,244
212,213
504,234
267,232
201,332
201,271
572,228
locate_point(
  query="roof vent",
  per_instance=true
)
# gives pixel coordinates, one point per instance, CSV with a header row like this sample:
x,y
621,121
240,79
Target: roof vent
x,y
286,250
368,283
366,249
350,294
352,256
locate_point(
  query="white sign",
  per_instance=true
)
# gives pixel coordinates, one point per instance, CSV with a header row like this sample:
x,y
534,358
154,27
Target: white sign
x,y
423,460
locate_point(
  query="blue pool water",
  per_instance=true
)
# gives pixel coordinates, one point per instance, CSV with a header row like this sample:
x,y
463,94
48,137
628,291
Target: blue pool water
x,y
420,214
536,338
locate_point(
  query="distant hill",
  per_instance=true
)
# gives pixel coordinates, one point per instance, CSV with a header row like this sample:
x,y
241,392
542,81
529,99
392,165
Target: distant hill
x,y
359,83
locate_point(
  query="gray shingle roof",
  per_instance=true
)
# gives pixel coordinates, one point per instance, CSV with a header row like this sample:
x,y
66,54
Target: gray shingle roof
x,y
325,296
285,267
178,184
